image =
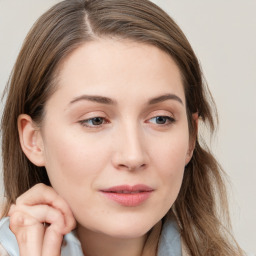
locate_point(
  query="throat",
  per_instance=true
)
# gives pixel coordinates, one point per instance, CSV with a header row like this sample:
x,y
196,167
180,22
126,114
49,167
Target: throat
x,y
98,244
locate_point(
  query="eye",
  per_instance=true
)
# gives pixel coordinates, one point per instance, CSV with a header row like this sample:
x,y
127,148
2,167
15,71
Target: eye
x,y
162,120
93,122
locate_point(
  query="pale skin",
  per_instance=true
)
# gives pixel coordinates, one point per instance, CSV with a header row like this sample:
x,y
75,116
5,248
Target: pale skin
x,y
139,135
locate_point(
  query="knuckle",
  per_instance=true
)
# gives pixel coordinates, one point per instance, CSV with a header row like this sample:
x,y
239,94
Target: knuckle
x,y
17,219
57,216
70,225
41,186
45,191
54,217
73,224
11,210
17,222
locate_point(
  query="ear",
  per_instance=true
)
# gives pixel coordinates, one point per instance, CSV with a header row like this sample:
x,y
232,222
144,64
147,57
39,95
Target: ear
x,y
31,140
193,137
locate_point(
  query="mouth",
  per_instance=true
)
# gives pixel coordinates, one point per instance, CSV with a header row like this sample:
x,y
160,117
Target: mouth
x,y
129,196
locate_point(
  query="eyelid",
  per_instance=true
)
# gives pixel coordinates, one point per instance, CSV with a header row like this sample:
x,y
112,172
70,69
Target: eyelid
x,y
91,115
160,113
170,120
83,122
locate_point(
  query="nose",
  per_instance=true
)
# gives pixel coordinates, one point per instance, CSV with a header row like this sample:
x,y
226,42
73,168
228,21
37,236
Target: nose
x,y
130,149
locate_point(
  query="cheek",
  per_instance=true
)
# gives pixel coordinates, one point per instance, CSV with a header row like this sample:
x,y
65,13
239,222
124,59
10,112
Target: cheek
x,y
170,151
170,159
74,159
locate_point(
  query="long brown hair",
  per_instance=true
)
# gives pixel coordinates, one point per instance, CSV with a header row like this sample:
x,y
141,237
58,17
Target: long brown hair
x,y
55,35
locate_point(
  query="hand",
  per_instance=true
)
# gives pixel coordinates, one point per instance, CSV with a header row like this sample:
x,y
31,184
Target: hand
x,y
39,219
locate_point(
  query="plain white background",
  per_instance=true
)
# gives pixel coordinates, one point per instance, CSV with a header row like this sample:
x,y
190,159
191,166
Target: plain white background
x,y
223,35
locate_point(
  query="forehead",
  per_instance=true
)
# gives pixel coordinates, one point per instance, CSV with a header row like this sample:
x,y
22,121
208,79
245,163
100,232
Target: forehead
x,y
108,66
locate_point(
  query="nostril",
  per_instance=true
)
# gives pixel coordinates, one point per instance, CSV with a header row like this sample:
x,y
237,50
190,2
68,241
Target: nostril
x,y
129,159
132,168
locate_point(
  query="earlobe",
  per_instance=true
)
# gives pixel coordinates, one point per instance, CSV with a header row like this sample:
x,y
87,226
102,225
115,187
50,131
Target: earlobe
x,y
189,155
31,140
195,118
193,138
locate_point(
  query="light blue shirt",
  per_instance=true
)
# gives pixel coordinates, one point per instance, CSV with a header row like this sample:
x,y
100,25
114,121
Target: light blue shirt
x,y
169,243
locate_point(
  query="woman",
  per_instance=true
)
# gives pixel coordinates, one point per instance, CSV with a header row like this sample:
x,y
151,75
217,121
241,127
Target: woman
x,y
106,158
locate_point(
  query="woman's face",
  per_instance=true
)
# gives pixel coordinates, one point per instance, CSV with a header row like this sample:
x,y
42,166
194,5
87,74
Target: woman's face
x,y
115,136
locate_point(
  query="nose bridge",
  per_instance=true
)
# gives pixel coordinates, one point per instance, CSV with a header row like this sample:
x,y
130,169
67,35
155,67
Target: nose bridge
x,y
130,152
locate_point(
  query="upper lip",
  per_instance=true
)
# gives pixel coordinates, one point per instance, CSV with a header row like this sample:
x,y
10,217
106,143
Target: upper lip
x,y
128,188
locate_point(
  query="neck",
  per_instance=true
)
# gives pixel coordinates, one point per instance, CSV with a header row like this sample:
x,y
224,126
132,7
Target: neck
x,y
98,244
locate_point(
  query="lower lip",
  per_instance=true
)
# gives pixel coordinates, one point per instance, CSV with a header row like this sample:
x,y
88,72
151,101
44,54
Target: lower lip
x,y
130,199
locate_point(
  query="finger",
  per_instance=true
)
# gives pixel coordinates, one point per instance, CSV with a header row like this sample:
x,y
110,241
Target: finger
x,y
52,242
11,210
42,194
45,214
29,233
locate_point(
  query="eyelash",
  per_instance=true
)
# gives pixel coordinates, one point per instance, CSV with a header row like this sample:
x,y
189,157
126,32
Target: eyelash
x,y
86,121
168,120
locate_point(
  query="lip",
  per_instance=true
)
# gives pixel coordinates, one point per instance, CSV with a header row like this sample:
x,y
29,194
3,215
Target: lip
x,y
127,195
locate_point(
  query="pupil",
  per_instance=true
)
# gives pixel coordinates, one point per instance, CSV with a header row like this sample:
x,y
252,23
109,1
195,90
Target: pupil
x,y
161,120
97,121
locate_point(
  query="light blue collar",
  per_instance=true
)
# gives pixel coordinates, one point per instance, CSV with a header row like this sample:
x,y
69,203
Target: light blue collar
x,y
7,238
169,243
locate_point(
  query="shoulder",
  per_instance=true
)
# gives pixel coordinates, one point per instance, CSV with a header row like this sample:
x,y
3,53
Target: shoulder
x,y
8,242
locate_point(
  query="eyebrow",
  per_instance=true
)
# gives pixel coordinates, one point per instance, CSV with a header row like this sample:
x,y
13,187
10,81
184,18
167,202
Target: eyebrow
x,y
109,101
164,98
95,98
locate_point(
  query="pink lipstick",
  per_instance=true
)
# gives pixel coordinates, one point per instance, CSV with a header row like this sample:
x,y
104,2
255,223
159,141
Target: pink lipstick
x,y
126,195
